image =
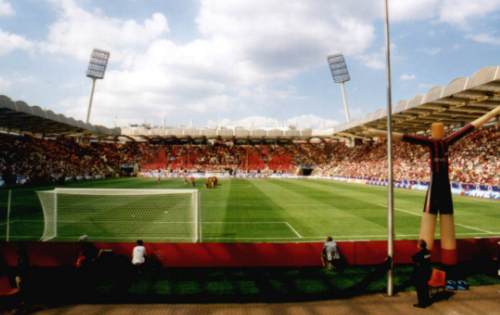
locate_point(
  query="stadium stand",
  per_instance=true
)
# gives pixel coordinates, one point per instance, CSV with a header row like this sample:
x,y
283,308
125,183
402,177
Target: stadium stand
x,y
39,146
474,161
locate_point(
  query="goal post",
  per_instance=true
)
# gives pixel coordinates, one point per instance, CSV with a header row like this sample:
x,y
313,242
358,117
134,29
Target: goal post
x,y
5,214
111,214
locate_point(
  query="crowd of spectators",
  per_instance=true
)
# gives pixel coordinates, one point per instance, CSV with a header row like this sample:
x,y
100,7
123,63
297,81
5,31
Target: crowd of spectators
x,y
26,159
474,160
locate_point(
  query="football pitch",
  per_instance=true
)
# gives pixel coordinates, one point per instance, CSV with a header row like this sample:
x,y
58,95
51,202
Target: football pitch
x,y
245,210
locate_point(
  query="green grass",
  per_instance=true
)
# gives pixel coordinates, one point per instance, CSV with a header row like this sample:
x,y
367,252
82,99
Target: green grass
x,y
245,210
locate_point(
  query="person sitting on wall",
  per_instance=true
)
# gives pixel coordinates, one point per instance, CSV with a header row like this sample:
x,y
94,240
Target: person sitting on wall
x,y
139,255
330,254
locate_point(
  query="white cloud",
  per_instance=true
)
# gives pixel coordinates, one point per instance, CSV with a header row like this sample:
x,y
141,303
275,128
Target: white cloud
x,y
245,52
407,77
262,122
276,40
251,122
76,32
432,51
311,121
457,12
426,86
6,8
460,11
404,10
374,61
485,38
10,42
4,85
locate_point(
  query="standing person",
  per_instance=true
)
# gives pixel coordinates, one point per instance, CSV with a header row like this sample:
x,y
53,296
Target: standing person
x,y
22,269
87,255
422,274
330,253
139,255
86,260
158,175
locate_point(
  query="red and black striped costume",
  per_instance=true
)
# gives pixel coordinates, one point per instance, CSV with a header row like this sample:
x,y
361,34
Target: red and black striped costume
x,y
438,197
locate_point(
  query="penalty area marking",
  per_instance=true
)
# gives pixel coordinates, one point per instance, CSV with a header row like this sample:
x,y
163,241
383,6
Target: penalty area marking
x,y
293,230
457,224
289,226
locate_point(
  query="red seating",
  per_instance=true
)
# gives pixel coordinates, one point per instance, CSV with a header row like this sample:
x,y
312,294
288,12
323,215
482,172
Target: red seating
x,y
281,162
437,280
5,288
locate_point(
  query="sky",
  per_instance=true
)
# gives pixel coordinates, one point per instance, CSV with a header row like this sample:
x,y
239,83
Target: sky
x,y
249,63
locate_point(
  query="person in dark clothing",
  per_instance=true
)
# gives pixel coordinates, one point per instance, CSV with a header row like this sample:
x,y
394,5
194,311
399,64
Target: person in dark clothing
x,y
87,254
85,264
422,274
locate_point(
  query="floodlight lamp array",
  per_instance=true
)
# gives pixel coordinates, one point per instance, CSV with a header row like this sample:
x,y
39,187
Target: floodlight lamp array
x,y
338,68
97,64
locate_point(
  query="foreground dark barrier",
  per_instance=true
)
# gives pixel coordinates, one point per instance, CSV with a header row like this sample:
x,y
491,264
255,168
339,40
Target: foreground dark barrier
x,y
53,254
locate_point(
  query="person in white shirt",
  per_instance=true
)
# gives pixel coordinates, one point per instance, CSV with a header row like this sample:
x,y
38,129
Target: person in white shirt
x,y
139,254
329,253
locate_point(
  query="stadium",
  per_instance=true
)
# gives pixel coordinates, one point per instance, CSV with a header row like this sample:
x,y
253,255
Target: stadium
x,y
233,214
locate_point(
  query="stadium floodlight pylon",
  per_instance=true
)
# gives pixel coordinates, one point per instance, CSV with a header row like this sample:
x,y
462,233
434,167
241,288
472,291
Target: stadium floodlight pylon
x,y
340,75
121,214
96,70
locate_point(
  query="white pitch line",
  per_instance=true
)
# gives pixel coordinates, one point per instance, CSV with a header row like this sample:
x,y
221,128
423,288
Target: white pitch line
x,y
222,222
457,224
244,222
318,238
293,230
11,222
157,222
474,228
126,238
384,235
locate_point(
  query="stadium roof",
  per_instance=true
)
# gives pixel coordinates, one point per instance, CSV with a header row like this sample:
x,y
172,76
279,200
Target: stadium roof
x,y
212,133
457,103
20,117
462,100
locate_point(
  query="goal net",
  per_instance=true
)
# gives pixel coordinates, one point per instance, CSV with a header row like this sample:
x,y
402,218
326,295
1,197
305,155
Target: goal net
x,y
120,214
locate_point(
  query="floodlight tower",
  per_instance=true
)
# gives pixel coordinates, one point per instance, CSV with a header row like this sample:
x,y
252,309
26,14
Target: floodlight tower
x,y
340,75
97,67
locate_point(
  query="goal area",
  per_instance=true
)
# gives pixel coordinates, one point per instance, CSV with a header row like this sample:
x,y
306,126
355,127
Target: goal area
x,y
120,214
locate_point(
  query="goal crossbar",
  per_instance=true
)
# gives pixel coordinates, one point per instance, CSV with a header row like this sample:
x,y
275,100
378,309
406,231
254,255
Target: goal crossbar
x,y
120,191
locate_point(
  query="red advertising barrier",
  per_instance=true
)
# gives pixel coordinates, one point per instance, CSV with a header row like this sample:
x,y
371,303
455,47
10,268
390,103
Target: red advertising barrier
x,y
52,254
